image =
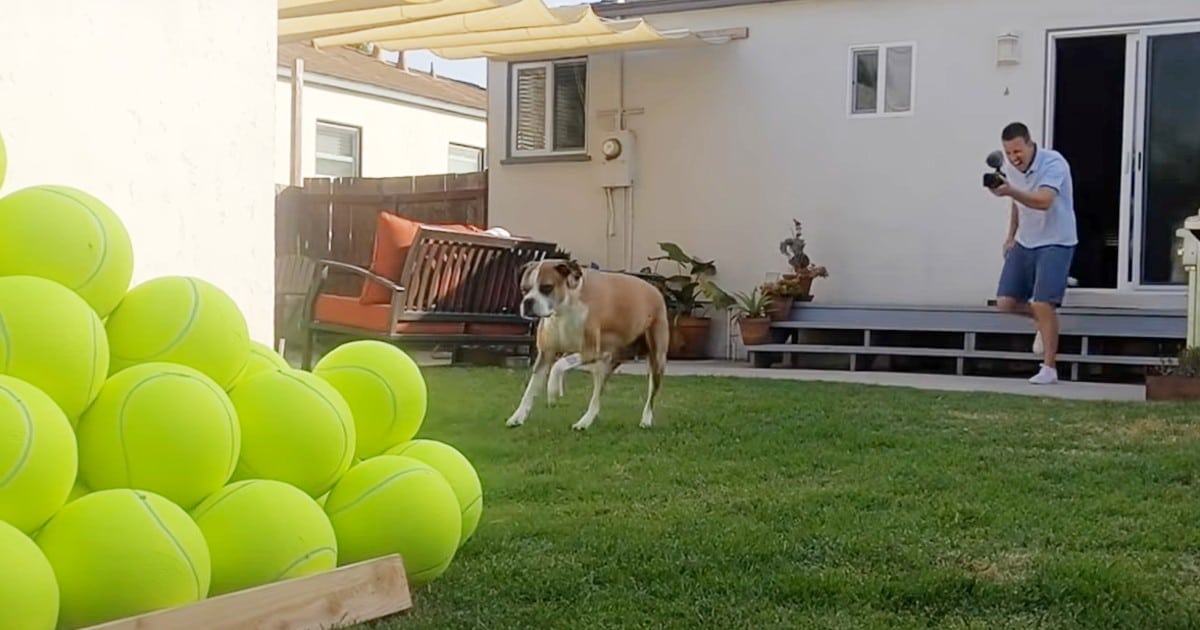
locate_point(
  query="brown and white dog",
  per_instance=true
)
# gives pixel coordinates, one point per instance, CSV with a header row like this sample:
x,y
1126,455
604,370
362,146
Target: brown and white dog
x,y
592,319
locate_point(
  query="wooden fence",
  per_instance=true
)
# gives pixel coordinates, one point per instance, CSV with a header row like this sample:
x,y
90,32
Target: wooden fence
x,y
335,219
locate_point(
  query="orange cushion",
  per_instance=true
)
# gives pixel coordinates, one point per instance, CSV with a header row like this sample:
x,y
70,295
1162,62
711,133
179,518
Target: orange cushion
x,y
347,311
394,237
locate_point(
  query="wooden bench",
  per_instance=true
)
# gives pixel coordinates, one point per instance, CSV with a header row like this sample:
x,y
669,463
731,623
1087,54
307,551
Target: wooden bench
x,y
457,289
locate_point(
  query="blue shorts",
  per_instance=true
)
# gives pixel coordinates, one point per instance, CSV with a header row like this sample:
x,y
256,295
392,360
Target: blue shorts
x,y
1038,273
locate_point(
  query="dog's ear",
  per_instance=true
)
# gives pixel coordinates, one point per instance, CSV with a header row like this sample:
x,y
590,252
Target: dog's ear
x,y
571,272
525,270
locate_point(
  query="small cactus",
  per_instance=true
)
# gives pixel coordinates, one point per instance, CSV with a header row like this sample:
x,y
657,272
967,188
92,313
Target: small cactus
x,y
793,248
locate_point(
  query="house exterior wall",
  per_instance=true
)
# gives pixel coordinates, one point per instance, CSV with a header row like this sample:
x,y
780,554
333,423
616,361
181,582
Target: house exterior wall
x,y
398,139
164,111
737,140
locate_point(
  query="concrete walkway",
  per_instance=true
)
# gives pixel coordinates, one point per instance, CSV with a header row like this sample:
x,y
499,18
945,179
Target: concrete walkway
x,y
1063,389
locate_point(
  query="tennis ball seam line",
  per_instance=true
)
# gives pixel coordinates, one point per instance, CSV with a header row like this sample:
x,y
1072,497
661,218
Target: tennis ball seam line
x,y
230,417
391,396
7,367
187,327
470,505
174,541
347,447
104,249
121,424
200,514
28,447
374,489
304,558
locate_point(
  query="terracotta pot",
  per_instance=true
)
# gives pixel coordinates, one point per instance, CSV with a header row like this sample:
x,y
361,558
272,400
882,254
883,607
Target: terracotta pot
x,y
780,308
1172,387
755,330
689,337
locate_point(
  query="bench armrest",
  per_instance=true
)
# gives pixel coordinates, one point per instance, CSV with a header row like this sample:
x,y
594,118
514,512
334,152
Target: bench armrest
x,y
324,265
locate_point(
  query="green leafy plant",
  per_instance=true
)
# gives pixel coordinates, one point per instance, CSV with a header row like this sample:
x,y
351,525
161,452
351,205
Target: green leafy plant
x,y
692,280
752,305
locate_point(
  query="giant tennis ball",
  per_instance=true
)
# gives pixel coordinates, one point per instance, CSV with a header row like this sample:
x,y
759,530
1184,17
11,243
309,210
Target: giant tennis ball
x,y
28,589
119,553
52,339
384,388
457,470
392,504
162,427
37,456
261,360
68,236
296,429
180,319
261,531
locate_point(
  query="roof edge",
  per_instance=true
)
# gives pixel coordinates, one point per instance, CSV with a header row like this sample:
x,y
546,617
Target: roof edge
x,y
637,8
391,94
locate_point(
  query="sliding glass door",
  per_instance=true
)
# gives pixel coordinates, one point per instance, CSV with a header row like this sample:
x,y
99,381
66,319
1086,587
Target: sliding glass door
x,y
1167,132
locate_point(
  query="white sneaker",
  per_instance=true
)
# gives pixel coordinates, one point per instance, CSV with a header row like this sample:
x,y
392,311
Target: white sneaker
x,y
1045,376
1037,343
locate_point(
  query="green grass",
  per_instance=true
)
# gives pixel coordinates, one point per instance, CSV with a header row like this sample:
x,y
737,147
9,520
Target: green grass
x,y
767,504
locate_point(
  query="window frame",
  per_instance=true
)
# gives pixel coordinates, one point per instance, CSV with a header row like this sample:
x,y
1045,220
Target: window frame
x,y
482,162
355,159
550,67
881,50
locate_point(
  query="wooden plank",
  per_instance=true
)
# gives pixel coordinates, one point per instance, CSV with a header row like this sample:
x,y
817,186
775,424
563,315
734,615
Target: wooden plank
x,y
1169,325
343,597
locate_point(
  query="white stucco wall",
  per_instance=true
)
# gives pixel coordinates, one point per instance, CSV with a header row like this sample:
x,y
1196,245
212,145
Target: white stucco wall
x,y
736,140
398,139
164,110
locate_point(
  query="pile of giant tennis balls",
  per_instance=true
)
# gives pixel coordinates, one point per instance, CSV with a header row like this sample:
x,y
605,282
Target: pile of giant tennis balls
x,y
153,455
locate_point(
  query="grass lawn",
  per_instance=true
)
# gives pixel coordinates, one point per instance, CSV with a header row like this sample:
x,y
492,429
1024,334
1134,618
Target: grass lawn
x,y
768,504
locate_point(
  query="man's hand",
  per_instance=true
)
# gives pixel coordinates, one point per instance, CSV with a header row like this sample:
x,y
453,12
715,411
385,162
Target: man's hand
x,y
1003,190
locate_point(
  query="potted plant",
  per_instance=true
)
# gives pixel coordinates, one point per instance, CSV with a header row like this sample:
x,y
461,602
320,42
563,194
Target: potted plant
x,y
803,271
1176,382
683,292
784,292
753,322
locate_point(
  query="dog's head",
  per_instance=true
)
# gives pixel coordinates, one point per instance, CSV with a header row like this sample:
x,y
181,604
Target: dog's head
x,y
546,284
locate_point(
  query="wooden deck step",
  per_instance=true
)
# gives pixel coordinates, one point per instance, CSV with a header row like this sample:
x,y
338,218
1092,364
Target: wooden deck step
x,y
800,348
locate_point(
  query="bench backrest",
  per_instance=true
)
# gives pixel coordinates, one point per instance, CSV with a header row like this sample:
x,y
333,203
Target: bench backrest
x,y
455,272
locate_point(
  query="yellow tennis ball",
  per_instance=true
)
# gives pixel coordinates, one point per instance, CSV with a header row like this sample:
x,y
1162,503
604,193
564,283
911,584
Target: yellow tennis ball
x,y
38,460
457,470
296,429
394,504
261,359
180,319
28,589
162,427
384,388
261,531
51,338
68,236
119,553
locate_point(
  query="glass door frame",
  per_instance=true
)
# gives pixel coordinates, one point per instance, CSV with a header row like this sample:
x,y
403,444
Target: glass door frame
x,y
1133,143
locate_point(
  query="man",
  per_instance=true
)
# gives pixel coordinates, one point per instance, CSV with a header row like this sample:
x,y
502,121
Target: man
x,y
1041,240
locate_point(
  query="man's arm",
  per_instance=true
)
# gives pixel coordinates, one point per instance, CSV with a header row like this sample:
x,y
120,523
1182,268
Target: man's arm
x,y
1012,222
1043,197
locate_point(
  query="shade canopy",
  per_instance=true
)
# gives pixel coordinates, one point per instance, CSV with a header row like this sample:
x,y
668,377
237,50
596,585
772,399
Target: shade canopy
x,y
465,29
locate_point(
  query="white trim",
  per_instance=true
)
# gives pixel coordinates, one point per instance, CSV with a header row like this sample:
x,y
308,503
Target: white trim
x,y
549,65
881,49
387,94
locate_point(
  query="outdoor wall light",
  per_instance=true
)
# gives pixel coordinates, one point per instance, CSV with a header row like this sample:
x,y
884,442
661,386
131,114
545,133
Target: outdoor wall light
x,y
1008,49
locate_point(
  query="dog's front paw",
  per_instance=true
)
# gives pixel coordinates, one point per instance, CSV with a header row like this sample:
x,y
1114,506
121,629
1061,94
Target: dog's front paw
x,y
554,392
647,421
581,425
515,420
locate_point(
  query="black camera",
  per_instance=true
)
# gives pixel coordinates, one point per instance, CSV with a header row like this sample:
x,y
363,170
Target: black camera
x,y
995,159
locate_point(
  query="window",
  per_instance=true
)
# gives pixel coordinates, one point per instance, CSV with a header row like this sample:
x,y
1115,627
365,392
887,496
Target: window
x,y
549,101
465,159
894,94
338,150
